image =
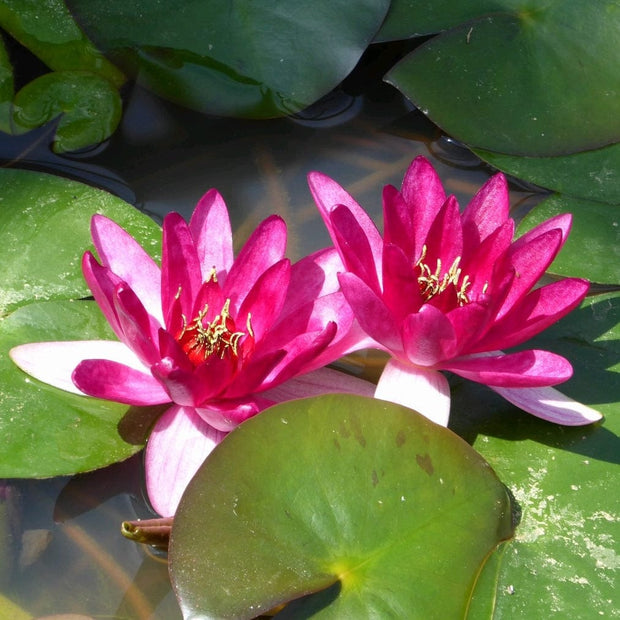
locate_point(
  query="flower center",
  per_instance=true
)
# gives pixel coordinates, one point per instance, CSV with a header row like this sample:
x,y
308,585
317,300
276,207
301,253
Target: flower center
x,y
201,339
433,283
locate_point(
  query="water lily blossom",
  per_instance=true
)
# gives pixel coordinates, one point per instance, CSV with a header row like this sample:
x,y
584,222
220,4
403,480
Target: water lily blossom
x,y
217,337
445,290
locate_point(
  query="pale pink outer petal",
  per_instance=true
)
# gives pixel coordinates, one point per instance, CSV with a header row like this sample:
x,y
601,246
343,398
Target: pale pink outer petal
x,y
54,362
424,391
210,228
119,251
177,446
317,382
550,404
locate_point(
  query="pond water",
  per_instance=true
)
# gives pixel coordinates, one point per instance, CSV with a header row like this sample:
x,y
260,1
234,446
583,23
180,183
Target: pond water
x,y
68,555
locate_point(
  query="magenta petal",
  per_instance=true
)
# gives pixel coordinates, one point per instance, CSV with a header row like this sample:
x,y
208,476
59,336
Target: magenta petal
x,y
428,337
317,382
398,227
530,263
265,247
180,269
534,313
328,195
210,228
358,256
560,222
424,391
371,312
103,284
401,290
424,195
444,241
177,446
111,380
124,256
312,277
531,368
488,210
550,404
265,300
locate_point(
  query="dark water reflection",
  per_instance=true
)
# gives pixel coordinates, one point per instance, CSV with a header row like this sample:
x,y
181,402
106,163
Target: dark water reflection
x,y
166,158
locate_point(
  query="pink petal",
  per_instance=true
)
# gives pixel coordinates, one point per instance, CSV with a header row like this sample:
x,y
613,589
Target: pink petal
x,y
560,222
210,228
358,256
178,445
488,210
139,329
265,299
398,227
265,247
312,277
530,263
371,312
424,391
111,380
444,241
227,415
54,362
424,196
317,382
550,404
401,291
180,269
103,284
534,313
120,252
531,368
428,337
328,195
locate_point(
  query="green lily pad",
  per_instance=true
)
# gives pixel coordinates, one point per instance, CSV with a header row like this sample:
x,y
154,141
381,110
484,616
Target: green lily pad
x,y
44,230
522,78
592,250
564,558
46,431
6,89
89,106
376,509
48,30
591,175
245,58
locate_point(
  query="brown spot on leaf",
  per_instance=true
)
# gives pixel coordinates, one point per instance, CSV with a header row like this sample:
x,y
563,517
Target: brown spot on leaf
x,y
400,438
425,462
375,478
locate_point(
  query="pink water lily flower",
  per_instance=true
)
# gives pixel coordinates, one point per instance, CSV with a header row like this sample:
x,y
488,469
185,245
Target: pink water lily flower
x,y
445,290
220,338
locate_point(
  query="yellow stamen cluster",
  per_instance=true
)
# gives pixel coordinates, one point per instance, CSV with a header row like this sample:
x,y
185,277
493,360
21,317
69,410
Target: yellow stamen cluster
x,y
216,337
433,283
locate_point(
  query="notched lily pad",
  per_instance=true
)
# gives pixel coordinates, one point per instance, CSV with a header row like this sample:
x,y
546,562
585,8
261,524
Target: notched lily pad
x,y
89,106
374,511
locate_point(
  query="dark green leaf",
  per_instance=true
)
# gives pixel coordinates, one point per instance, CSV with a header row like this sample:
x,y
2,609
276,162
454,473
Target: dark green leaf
x,y
593,248
591,175
89,106
393,512
244,58
523,79
6,89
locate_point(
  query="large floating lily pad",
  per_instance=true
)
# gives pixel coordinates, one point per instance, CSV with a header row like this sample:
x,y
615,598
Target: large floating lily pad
x,y
519,77
563,561
376,509
44,230
252,59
